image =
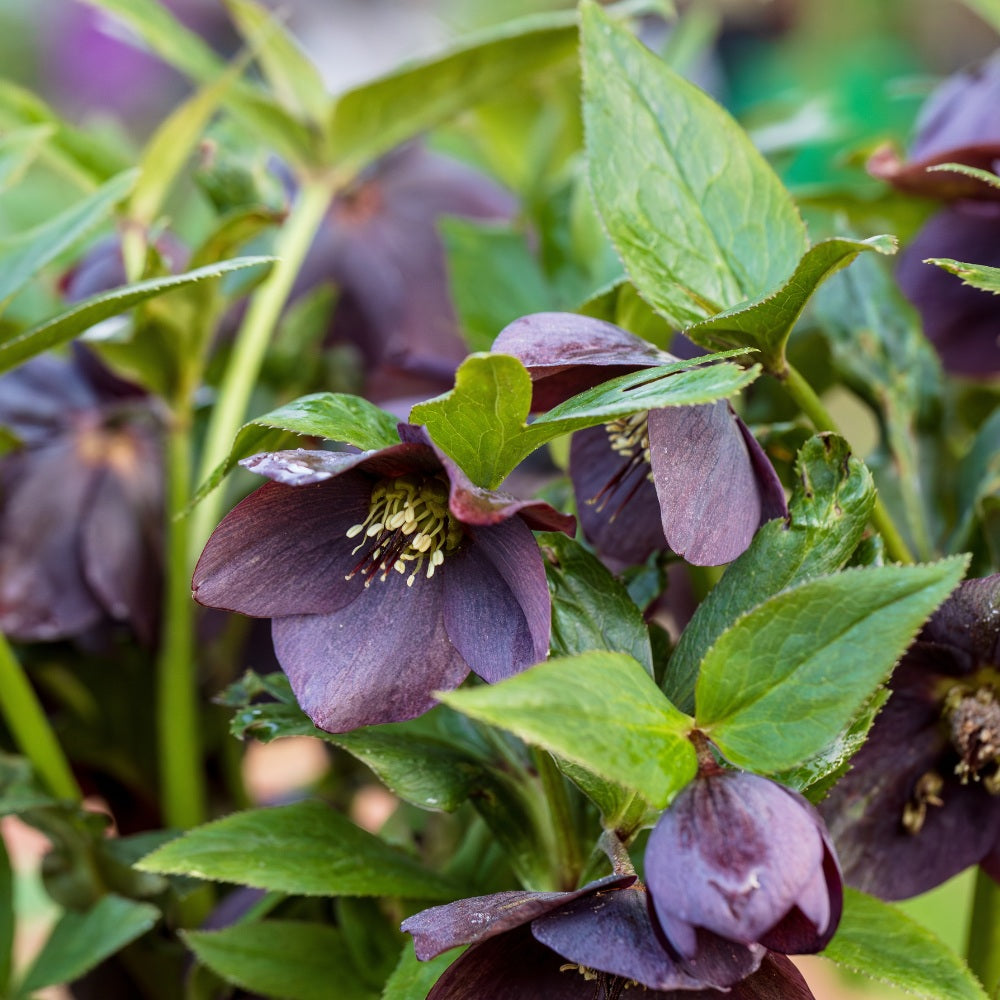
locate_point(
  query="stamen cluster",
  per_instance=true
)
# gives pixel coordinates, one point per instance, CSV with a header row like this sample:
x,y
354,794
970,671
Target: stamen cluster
x,y
628,437
408,522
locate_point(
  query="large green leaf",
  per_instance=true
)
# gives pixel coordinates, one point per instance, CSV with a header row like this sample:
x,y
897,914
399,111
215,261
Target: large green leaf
x,y
599,710
591,608
791,675
700,220
306,848
829,508
413,979
767,320
287,959
24,255
883,943
482,422
79,941
976,275
375,117
335,416
67,325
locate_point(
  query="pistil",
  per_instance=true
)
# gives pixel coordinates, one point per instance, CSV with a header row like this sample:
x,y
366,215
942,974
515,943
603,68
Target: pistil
x,y
409,526
974,723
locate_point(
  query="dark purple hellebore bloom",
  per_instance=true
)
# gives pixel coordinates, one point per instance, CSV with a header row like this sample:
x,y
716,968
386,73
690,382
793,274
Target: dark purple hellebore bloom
x,y
81,502
594,942
689,477
747,859
388,575
381,248
922,799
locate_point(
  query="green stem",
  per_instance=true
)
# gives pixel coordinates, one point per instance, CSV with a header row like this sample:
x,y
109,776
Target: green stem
x,y
182,782
563,822
812,406
30,727
254,335
983,948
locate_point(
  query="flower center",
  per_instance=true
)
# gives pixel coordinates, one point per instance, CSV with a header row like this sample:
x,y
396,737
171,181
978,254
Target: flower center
x,y
974,724
409,525
629,438
606,985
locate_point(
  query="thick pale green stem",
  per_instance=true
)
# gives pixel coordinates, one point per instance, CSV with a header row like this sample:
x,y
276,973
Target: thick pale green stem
x,y
30,727
254,335
182,781
812,406
983,949
561,811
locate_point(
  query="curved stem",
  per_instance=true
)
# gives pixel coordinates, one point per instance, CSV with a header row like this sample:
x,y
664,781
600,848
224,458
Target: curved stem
x,y
182,782
812,406
30,727
983,948
251,344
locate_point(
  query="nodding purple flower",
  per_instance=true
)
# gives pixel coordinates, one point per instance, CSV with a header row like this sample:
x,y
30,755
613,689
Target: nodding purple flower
x,y
593,943
960,123
692,478
381,248
747,859
387,576
81,502
921,801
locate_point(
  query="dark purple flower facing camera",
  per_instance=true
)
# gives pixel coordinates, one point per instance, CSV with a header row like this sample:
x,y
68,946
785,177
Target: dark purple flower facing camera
x,y
594,942
747,859
81,502
921,801
689,477
388,575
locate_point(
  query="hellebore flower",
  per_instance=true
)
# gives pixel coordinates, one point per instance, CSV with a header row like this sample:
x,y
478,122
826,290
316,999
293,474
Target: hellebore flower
x,y
922,799
380,247
81,502
591,943
689,477
960,123
388,575
747,859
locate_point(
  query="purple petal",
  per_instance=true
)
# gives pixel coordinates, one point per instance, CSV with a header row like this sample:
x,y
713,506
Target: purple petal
x,y
376,660
969,621
776,979
864,810
497,609
959,320
299,467
43,592
624,525
712,495
611,931
284,550
38,398
120,542
467,921
566,353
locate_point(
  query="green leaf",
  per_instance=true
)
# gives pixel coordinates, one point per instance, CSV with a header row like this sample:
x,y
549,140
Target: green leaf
x,y
494,278
288,959
306,848
375,117
878,940
482,422
830,505
591,609
80,941
335,416
18,148
766,322
67,325
188,52
988,10
599,710
20,789
986,176
975,275
700,220
792,674
24,255
7,919
297,83
413,979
